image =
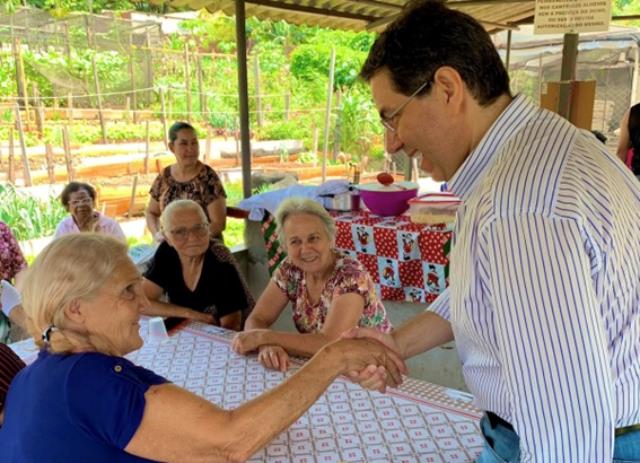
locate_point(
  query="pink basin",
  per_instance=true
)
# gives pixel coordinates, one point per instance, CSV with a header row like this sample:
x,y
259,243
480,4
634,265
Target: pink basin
x,y
387,201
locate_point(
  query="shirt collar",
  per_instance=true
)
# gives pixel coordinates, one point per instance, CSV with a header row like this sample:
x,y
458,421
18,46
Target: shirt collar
x,y
519,111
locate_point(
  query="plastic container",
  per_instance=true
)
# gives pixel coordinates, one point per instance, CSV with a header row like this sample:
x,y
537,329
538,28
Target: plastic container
x,y
434,208
388,200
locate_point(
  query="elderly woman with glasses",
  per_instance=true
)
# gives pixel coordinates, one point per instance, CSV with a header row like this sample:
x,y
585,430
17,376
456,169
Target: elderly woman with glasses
x,y
196,272
79,199
82,401
330,292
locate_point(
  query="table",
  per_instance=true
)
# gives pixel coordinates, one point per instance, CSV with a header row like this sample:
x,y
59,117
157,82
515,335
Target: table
x,y
419,422
407,261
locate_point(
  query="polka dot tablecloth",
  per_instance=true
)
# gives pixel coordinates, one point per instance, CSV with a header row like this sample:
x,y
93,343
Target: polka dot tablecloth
x,y
407,261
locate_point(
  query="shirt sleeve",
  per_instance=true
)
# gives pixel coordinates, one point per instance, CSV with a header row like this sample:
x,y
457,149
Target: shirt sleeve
x,y
353,279
156,188
157,271
106,397
9,297
285,278
441,305
214,188
550,338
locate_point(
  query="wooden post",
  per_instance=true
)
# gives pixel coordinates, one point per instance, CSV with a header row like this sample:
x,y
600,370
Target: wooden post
x,y
21,79
127,108
132,76
48,149
103,126
207,148
236,133
67,153
327,116
169,103
149,66
69,107
256,74
133,196
11,169
26,171
187,80
203,97
67,43
39,111
316,136
164,118
147,148
287,105
87,29
337,128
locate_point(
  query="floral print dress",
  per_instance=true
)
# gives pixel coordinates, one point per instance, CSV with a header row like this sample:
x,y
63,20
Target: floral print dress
x,y
204,188
349,276
11,258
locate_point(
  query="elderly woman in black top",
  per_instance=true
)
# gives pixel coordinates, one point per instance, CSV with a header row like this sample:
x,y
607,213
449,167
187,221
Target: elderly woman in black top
x,y
198,274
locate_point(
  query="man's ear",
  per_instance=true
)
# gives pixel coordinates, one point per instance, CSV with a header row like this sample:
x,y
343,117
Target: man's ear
x,y
450,84
74,312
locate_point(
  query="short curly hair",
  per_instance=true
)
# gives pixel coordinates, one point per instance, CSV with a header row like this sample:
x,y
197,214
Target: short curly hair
x,y
74,187
299,205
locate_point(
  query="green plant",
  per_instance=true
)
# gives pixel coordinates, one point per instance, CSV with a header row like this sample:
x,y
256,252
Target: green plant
x,y
27,216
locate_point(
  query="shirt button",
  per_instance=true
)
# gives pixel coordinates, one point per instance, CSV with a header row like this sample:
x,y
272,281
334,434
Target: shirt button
x,y
117,368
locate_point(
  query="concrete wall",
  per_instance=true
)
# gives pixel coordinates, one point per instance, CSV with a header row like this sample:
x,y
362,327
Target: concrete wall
x,y
439,366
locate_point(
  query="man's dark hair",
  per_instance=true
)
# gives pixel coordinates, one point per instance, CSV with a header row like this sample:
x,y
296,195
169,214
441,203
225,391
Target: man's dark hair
x,y
177,127
73,187
427,36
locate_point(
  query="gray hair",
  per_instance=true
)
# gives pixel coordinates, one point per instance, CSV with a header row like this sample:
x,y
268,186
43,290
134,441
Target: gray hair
x,y
299,205
180,205
72,267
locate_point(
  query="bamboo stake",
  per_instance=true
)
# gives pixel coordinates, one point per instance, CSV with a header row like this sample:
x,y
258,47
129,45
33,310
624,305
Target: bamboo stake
x,y
164,118
287,106
103,126
187,81
207,148
11,170
134,101
133,196
203,96
26,172
21,78
48,149
147,148
256,73
327,116
67,153
69,107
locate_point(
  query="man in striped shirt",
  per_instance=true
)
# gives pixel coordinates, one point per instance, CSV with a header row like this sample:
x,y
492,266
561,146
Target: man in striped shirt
x,y
544,296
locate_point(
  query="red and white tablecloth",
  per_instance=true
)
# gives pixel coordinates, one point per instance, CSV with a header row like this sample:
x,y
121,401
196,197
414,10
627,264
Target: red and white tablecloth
x,y
407,261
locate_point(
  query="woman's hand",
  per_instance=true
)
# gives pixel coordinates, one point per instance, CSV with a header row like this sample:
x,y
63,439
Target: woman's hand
x,y
274,357
247,341
203,317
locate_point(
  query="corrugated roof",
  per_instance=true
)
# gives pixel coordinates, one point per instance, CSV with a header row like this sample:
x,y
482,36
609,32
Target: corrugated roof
x,y
365,14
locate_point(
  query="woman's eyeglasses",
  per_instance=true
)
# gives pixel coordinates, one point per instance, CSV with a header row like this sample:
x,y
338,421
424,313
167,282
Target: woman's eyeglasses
x,y
182,233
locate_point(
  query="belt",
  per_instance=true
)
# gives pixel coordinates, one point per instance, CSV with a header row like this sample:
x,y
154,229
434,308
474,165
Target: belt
x,y
495,420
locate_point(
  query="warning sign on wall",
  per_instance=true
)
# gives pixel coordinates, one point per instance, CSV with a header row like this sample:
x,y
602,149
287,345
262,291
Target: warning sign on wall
x,y
571,16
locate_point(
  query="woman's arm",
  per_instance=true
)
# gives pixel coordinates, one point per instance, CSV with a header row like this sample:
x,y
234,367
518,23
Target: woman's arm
x,y
232,321
270,305
217,211
152,215
344,314
623,142
157,308
179,426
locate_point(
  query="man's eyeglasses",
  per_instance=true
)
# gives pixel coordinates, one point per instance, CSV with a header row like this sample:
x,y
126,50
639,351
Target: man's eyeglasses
x,y
182,233
389,121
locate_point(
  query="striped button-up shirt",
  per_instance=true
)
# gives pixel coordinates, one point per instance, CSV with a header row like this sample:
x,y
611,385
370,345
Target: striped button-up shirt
x,y
544,298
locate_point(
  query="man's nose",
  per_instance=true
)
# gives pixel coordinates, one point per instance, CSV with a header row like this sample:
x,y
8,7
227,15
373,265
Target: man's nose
x,y
392,142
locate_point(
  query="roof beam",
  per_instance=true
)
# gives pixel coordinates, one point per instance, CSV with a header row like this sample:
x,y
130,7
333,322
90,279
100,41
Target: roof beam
x,y
312,10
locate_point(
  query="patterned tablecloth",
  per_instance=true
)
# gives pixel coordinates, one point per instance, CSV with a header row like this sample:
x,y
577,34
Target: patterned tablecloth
x,y
407,261
419,422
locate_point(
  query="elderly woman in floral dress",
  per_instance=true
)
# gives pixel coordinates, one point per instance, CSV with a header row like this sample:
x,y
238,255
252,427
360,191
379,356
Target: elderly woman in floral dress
x,y
329,291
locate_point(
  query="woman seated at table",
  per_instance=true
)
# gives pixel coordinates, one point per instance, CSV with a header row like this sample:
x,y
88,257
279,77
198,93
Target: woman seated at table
x,y
329,292
188,178
79,199
82,401
196,272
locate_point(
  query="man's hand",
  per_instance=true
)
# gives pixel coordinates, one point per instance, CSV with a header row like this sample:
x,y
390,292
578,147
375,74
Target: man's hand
x,y
274,357
359,354
247,341
373,377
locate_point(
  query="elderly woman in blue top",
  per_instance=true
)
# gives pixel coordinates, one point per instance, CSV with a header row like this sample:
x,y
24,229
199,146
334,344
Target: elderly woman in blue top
x,y
82,401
